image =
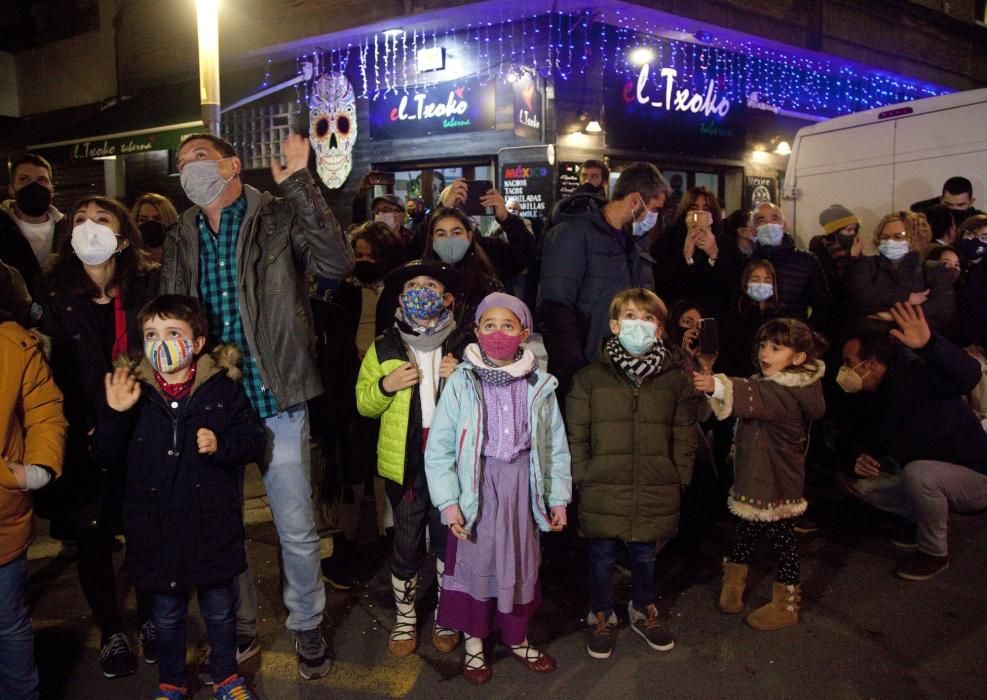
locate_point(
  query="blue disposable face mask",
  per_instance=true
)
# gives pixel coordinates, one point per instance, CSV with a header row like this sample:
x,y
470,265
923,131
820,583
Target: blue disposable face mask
x,y
642,227
637,337
760,291
770,234
894,250
451,249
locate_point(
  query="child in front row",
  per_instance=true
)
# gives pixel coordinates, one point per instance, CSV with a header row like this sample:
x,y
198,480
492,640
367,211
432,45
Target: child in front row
x,y
631,417
773,413
498,469
401,378
184,424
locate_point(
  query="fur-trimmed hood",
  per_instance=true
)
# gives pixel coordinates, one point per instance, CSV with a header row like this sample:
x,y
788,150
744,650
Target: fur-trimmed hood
x,y
226,358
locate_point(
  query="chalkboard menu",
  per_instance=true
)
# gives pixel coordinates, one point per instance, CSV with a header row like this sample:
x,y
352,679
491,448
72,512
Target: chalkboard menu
x,y
568,178
531,185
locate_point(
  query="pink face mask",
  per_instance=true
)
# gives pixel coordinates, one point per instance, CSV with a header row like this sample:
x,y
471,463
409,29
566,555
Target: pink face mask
x,y
498,345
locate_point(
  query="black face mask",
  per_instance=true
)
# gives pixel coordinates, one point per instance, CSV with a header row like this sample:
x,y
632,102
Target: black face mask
x,y
367,272
153,233
33,199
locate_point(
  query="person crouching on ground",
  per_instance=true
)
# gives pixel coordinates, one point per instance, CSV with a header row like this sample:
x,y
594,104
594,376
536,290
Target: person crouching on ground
x,y
400,380
498,469
188,429
773,413
631,418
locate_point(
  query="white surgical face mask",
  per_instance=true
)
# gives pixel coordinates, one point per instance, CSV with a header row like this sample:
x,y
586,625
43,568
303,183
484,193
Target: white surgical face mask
x,y
760,291
637,337
642,227
93,243
770,234
894,250
202,182
393,221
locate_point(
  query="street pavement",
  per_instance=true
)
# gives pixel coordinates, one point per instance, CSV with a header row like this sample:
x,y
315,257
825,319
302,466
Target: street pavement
x,y
864,633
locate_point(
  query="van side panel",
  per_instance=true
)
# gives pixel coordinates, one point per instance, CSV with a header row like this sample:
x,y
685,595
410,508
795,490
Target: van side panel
x,y
851,166
930,148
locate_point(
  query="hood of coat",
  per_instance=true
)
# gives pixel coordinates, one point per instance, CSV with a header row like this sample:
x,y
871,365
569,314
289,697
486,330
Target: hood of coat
x,y
223,358
581,206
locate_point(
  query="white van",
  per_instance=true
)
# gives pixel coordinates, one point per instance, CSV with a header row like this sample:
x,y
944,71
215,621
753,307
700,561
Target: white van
x,y
885,159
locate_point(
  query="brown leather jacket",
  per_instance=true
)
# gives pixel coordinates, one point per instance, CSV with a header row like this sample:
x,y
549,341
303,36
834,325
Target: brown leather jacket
x,y
280,240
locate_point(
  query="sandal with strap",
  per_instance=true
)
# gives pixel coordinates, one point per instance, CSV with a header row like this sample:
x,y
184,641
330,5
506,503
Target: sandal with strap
x,y
537,661
403,639
477,675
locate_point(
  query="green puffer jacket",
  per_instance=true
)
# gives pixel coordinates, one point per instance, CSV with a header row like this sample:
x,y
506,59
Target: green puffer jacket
x,y
632,448
399,450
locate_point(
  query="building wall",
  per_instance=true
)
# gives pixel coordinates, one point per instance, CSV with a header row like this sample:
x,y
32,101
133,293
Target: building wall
x,y
9,100
69,72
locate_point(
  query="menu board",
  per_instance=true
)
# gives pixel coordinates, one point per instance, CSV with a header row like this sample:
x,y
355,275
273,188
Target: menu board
x,y
531,185
568,178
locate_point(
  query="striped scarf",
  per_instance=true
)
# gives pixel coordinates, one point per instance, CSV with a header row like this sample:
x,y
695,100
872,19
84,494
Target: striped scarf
x,y
637,369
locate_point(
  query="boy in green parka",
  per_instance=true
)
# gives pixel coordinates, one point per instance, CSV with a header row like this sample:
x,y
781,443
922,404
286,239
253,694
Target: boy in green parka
x,y
631,421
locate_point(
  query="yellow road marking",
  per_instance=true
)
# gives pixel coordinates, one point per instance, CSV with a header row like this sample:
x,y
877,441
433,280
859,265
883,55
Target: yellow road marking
x,y
394,677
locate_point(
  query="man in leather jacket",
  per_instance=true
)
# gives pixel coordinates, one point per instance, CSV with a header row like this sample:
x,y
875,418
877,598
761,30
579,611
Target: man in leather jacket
x,y
245,254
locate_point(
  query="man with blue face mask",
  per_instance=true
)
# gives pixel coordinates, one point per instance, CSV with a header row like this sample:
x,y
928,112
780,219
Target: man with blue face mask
x,y
244,253
800,281
588,256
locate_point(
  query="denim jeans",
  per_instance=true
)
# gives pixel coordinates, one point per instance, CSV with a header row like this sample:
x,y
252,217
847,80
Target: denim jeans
x,y
287,480
18,673
169,611
925,491
603,555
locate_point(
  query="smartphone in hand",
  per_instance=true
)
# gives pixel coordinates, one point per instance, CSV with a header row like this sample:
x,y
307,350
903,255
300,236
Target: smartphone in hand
x,y
475,189
709,336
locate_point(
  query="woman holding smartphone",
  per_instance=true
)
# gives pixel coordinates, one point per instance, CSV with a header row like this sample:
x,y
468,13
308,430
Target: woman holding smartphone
x,y
688,258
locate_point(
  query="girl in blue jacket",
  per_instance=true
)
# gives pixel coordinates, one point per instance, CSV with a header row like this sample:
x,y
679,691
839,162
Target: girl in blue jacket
x,y
497,463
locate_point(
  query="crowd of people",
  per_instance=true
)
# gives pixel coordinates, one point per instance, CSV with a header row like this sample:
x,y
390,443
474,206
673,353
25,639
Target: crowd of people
x,y
149,356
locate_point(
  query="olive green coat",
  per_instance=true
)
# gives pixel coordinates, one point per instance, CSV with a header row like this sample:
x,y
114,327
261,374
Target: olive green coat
x,y
632,448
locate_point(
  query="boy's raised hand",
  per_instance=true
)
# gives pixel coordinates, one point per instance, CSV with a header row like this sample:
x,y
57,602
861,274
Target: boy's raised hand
x,y
122,389
704,382
401,377
205,440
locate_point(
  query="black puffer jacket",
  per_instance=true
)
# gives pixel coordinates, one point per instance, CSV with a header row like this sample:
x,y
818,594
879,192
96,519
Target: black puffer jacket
x,y
800,281
183,512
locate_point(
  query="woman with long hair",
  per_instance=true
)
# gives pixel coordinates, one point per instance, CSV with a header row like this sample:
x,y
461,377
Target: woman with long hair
x,y
99,282
154,214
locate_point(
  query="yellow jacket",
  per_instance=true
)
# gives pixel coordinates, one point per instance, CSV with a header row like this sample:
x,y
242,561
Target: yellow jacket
x,y
32,430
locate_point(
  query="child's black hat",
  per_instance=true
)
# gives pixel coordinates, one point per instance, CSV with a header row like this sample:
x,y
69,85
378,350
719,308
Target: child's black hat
x,y
446,274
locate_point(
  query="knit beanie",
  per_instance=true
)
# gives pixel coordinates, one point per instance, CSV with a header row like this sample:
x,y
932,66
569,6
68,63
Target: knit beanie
x,y
837,217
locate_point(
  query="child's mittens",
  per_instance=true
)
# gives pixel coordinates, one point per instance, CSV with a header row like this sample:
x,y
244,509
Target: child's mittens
x,y
205,440
559,520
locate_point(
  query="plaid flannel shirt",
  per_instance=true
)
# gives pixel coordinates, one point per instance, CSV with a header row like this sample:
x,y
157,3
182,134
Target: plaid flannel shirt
x,y
218,293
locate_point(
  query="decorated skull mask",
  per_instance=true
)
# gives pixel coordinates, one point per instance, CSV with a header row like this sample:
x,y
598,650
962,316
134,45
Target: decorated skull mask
x,y
333,127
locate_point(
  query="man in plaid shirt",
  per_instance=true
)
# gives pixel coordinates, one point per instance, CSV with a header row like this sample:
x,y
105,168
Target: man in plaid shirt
x,y
245,253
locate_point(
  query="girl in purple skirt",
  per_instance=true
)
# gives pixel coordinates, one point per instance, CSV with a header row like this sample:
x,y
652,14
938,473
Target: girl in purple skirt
x,y
497,463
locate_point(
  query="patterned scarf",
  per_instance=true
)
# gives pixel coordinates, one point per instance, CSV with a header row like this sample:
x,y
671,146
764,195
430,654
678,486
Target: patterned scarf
x,y
179,390
523,364
424,338
637,369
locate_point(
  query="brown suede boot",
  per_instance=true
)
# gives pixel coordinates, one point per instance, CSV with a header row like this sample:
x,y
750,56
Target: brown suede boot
x,y
732,592
782,611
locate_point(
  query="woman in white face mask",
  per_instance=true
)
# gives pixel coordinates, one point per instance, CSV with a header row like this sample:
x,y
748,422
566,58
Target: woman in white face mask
x,y
874,283
100,280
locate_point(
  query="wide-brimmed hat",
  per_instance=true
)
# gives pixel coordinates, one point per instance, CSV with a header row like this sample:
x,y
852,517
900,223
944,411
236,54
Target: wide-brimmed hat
x,y
436,269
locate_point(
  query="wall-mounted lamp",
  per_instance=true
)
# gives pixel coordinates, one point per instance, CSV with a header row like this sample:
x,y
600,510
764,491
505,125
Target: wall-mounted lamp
x,y
593,127
783,148
640,55
393,31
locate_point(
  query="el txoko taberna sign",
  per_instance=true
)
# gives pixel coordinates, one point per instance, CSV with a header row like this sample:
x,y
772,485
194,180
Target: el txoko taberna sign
x,y
660,112
444,108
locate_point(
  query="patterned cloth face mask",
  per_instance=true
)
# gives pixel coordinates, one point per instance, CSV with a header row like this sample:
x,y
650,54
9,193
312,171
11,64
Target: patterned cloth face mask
x,y
169,356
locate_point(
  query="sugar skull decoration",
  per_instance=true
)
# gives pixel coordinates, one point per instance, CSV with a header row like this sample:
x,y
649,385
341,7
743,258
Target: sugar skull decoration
x,y
333,127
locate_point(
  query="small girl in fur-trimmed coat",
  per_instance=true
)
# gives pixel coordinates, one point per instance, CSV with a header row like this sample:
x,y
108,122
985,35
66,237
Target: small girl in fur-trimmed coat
x,y
773,412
